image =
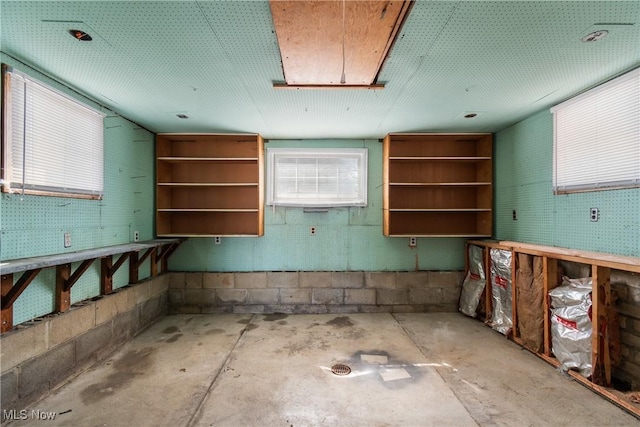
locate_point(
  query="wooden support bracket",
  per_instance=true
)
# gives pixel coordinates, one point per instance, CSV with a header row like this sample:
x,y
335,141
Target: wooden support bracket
x,y
10,294
108,269
164,255
65,281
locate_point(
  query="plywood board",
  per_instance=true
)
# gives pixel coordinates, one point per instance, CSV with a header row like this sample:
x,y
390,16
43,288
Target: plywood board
x,y
323,41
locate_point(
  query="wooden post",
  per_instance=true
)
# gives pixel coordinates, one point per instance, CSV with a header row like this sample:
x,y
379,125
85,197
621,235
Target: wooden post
x,y
6,315
514,298
601,287
133,268
106,275
63,295
154,262
487,288
550,281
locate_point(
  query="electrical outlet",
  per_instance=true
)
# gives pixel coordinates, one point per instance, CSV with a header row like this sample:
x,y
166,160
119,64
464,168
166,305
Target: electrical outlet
x,y
413,242
514,215
67,240
594,214
312,231
217,240
136,236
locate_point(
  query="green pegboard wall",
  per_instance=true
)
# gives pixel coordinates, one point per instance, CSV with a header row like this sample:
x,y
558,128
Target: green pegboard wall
x,y
35,225
524,179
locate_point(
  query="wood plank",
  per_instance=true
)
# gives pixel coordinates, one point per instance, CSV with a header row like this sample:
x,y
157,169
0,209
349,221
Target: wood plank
x,y
106,275
332,86
24,264
63,296
514,298
78,273
6,313
601,286
620,262
550,281
133,268
323,41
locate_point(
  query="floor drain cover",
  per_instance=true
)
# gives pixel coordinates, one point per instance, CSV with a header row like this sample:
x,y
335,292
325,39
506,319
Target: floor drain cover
x,y
340,369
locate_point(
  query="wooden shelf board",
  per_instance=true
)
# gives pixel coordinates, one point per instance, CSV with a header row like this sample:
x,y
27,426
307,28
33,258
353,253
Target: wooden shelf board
x,y
207,210
208,159
439,184
440,210
205,235
438,235
208,184
441,158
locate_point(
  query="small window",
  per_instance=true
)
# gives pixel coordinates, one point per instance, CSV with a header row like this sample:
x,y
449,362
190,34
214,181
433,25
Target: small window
x,y
317,177
597,138
52,144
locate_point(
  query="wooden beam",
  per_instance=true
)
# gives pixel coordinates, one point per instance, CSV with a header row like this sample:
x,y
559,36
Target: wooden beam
x,y
108,269
6,313
14,291
600,362
514,299
63,295
144,257
106,276
154,262
323,87
550,281
488,303
78,273
133,268
165,254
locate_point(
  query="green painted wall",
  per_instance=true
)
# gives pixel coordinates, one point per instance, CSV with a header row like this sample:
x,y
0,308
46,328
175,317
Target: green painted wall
x,y
346,238
523,181
35,225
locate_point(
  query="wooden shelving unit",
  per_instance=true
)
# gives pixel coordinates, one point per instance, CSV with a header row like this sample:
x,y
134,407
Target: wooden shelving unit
x,y
209,185
438,185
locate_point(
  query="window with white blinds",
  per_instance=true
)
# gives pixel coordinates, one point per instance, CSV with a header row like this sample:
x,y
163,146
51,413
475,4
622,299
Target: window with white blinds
x,y
317,177
597,138
53,145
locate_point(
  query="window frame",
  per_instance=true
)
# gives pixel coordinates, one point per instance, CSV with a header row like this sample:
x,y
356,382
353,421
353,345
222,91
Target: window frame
x,y
610,129
72,140
360,154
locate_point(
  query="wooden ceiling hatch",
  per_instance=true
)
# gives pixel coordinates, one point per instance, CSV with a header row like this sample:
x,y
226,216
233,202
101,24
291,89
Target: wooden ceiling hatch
x,y
335,43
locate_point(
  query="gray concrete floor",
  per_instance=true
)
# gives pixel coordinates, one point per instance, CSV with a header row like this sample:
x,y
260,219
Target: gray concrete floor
x,y
432,369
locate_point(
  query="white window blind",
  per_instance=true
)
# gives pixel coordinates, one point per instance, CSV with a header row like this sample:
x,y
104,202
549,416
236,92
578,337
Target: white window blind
x,y
317,177
54,144
597,137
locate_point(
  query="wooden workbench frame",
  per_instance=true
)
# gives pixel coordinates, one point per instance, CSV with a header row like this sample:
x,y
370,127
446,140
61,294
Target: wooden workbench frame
x,y
601,265
158,251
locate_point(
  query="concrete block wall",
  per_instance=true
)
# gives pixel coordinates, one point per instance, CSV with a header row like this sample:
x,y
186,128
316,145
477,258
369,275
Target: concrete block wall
x,y
314,292
40,355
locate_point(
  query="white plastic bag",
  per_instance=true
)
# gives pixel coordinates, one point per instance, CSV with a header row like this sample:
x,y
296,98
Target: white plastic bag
x,y
571,328
474,282
501,316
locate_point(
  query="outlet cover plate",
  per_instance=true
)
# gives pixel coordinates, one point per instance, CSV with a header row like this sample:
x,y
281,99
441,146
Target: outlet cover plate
x,y
67,240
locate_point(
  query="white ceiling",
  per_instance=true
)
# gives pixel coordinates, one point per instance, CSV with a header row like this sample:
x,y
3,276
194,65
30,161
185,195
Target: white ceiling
x,y
217,61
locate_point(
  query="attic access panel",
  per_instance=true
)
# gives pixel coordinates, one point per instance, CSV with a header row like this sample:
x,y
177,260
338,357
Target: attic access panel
x,y
335,42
